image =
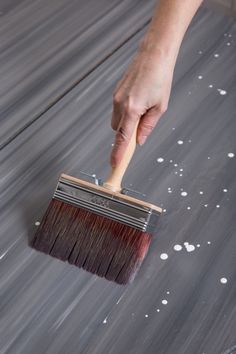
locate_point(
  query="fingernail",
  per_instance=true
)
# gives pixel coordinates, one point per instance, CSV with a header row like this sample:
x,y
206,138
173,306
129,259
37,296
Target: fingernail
x,y
142,140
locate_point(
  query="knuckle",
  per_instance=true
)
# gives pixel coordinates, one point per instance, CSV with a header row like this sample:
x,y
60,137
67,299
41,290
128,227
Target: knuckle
x,y
147,127
130,107
163,108
121,136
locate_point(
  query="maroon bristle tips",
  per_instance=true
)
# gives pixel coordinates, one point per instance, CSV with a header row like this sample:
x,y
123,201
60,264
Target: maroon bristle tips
x,y
95,243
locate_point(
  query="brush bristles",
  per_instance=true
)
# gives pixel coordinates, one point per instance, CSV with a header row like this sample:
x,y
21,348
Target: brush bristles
x,y
97,244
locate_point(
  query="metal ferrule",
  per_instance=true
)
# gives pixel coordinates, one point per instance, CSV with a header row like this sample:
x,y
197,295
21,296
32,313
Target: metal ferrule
x,y
110,206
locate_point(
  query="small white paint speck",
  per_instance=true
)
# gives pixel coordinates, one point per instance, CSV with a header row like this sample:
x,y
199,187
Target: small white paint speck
x,y
188,207
230,155
222,92
158,310
146,315
199,52
230,35
164,210
164,302
208,242
190,141
201,192
186,243
225,190
168,292
177,247
223,280
170,191
176,165
37,223
105,320
228,44
171,161
198,245
164,256
205,205
184,194
112,144
208,158
173,128
200,77
176,172
180,142
160,159
217,206
181,169
181,175
216,55
210,86
190,248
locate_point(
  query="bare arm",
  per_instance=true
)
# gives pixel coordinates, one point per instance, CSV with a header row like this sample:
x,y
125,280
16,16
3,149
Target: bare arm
x,y
143,92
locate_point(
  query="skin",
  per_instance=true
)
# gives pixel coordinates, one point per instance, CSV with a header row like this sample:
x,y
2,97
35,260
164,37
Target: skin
x,y
142,95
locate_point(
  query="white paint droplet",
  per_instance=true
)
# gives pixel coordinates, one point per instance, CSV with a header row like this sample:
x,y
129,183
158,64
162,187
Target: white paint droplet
x,y
218,206
177,247
190,248
176,172
112,144
146,315
186,243
230,155
205,205
223,280
230,35
164,302
200,77
105,320
164,256
208,242
228,44
210,86
164,210
173,128
201,192
190,141
181,169
37,223
181,175
222,92
180,142
188,207
216,55
184,194
208,158
198,245
200,52
171,161
225,190
168,292
158,310
160,159
176,165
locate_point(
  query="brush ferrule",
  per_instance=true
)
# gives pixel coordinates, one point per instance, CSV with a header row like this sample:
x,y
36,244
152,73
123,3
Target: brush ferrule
x,y
105,204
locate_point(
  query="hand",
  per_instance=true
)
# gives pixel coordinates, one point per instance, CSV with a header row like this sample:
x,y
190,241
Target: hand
x,y
141,95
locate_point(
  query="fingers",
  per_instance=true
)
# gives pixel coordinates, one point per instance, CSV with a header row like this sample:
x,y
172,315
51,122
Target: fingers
x,y
123,135
148,122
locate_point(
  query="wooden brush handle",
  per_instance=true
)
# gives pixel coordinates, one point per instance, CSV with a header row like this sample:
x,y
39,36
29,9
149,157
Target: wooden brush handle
x,y
113,182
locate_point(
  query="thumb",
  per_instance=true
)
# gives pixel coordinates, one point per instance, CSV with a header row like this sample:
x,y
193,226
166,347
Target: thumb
x,y
123,135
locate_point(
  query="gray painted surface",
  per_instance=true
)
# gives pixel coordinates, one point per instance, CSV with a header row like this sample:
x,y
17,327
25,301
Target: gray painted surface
x,y
47,306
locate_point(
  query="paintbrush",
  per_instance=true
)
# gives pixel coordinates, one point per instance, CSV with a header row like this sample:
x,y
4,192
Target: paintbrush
x,y
98,227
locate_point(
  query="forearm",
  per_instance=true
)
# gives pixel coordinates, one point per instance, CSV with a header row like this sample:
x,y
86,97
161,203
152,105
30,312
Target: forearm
x,y
169,23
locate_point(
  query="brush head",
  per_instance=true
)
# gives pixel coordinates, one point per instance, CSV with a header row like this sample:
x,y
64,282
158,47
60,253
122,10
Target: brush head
x,y
104,233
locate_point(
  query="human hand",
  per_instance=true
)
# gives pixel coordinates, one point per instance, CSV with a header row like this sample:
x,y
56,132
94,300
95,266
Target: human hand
x,y
141,95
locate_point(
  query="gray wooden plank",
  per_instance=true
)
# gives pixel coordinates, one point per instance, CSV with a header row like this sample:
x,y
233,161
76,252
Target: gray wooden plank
x,y
48,47
47,306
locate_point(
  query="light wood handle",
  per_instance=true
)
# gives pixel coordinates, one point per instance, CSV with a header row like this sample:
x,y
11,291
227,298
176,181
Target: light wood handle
x,y
113,182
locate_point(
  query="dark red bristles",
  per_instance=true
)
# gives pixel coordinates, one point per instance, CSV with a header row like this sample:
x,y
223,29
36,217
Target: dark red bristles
x,y
95,243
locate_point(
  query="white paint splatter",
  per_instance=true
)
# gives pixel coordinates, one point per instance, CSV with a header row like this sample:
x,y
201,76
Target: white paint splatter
x,y
210,86
181,169
186,243
181,175
171,161
218,206
176,172
164,302
37,223
208,158
176,165
225,190
208,242
230,35
198,245
228,44
177,247
205,205
184,194
200,77
146,315
222,92
200,52
173,128
223,280
160,159
105,320
164,256
201,192
168,292
188,207
164,210
158,310
216,55
230,155
180,142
